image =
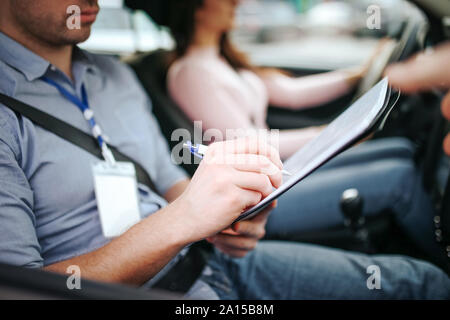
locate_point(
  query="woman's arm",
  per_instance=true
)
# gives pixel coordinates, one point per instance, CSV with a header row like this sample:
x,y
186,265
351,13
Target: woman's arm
x,y
311,91
290,141
308,91
202,98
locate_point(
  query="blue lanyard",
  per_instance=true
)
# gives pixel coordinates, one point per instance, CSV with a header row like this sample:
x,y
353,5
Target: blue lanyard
x,y
83,105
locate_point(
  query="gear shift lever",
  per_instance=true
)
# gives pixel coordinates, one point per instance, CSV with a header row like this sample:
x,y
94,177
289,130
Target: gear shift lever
x,y
352,209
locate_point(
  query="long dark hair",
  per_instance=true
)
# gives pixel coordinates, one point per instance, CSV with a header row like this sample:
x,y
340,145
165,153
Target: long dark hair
x,y
181,21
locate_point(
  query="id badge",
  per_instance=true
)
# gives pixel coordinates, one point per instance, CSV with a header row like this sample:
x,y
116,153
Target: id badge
x,y
116,191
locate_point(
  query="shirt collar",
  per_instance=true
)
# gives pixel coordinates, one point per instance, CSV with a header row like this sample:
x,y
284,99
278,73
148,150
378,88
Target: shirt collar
x,y
22,59
86,58
32,65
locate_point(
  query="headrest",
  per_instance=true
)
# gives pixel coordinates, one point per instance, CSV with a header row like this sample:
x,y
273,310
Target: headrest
x,y
157,9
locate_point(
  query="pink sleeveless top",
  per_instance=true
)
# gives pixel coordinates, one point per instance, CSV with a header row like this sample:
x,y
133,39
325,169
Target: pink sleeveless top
x,y
208,89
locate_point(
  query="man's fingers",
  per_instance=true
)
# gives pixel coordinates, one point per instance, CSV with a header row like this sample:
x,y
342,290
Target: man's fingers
x,y
254,181
264,170
273,205
256,163
248,198
235,253
248,145
235,242
254,227
230,231
422,72
251,163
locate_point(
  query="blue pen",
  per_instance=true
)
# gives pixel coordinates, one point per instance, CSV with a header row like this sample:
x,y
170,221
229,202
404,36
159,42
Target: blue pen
x,y
199,150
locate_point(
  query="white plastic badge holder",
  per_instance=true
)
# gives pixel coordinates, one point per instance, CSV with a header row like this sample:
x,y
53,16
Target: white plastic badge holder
x,y
117,197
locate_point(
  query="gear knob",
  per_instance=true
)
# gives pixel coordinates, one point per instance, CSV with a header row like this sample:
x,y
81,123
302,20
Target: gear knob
x,y
352,209
352,206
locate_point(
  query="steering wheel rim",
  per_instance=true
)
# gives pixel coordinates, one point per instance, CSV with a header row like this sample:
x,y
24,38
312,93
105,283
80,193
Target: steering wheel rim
x,y
377,67
393,51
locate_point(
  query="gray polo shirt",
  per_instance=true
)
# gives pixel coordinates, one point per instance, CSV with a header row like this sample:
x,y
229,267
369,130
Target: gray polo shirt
x,y
48,210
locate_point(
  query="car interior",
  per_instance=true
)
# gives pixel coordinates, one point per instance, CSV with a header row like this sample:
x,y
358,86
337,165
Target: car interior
x,y
151,69
416,117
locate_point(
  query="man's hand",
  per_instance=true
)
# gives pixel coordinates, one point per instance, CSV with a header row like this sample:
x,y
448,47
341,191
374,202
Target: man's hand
x,y
243,236
422,72
234,175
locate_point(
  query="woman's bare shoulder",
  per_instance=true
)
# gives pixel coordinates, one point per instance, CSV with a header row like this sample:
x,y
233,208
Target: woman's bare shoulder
x,y
190,68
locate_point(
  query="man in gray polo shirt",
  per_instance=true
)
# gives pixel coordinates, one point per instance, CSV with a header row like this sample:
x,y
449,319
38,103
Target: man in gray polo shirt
x,y
48,210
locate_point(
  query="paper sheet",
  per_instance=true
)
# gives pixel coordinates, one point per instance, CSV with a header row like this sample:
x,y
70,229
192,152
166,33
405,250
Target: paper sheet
x,y
344,131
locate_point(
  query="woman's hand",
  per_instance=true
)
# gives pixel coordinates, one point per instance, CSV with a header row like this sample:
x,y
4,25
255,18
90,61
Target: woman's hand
x,y
233,176
357,73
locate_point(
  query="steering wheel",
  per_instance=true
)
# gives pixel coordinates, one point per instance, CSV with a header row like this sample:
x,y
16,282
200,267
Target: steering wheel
x,y
377,66
392,51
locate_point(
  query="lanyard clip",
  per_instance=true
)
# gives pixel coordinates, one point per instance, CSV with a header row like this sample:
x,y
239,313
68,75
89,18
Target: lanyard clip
x,y
108,155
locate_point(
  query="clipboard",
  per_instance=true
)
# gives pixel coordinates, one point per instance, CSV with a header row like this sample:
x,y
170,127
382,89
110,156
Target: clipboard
x,y
365,116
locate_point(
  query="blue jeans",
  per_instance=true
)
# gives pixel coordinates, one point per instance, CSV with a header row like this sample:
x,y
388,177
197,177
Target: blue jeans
x,y
387,178
284,270
385,175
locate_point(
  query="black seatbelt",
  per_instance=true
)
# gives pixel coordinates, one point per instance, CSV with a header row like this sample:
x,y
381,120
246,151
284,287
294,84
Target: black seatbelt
x,y
442,219
442,222
188,270
73,135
